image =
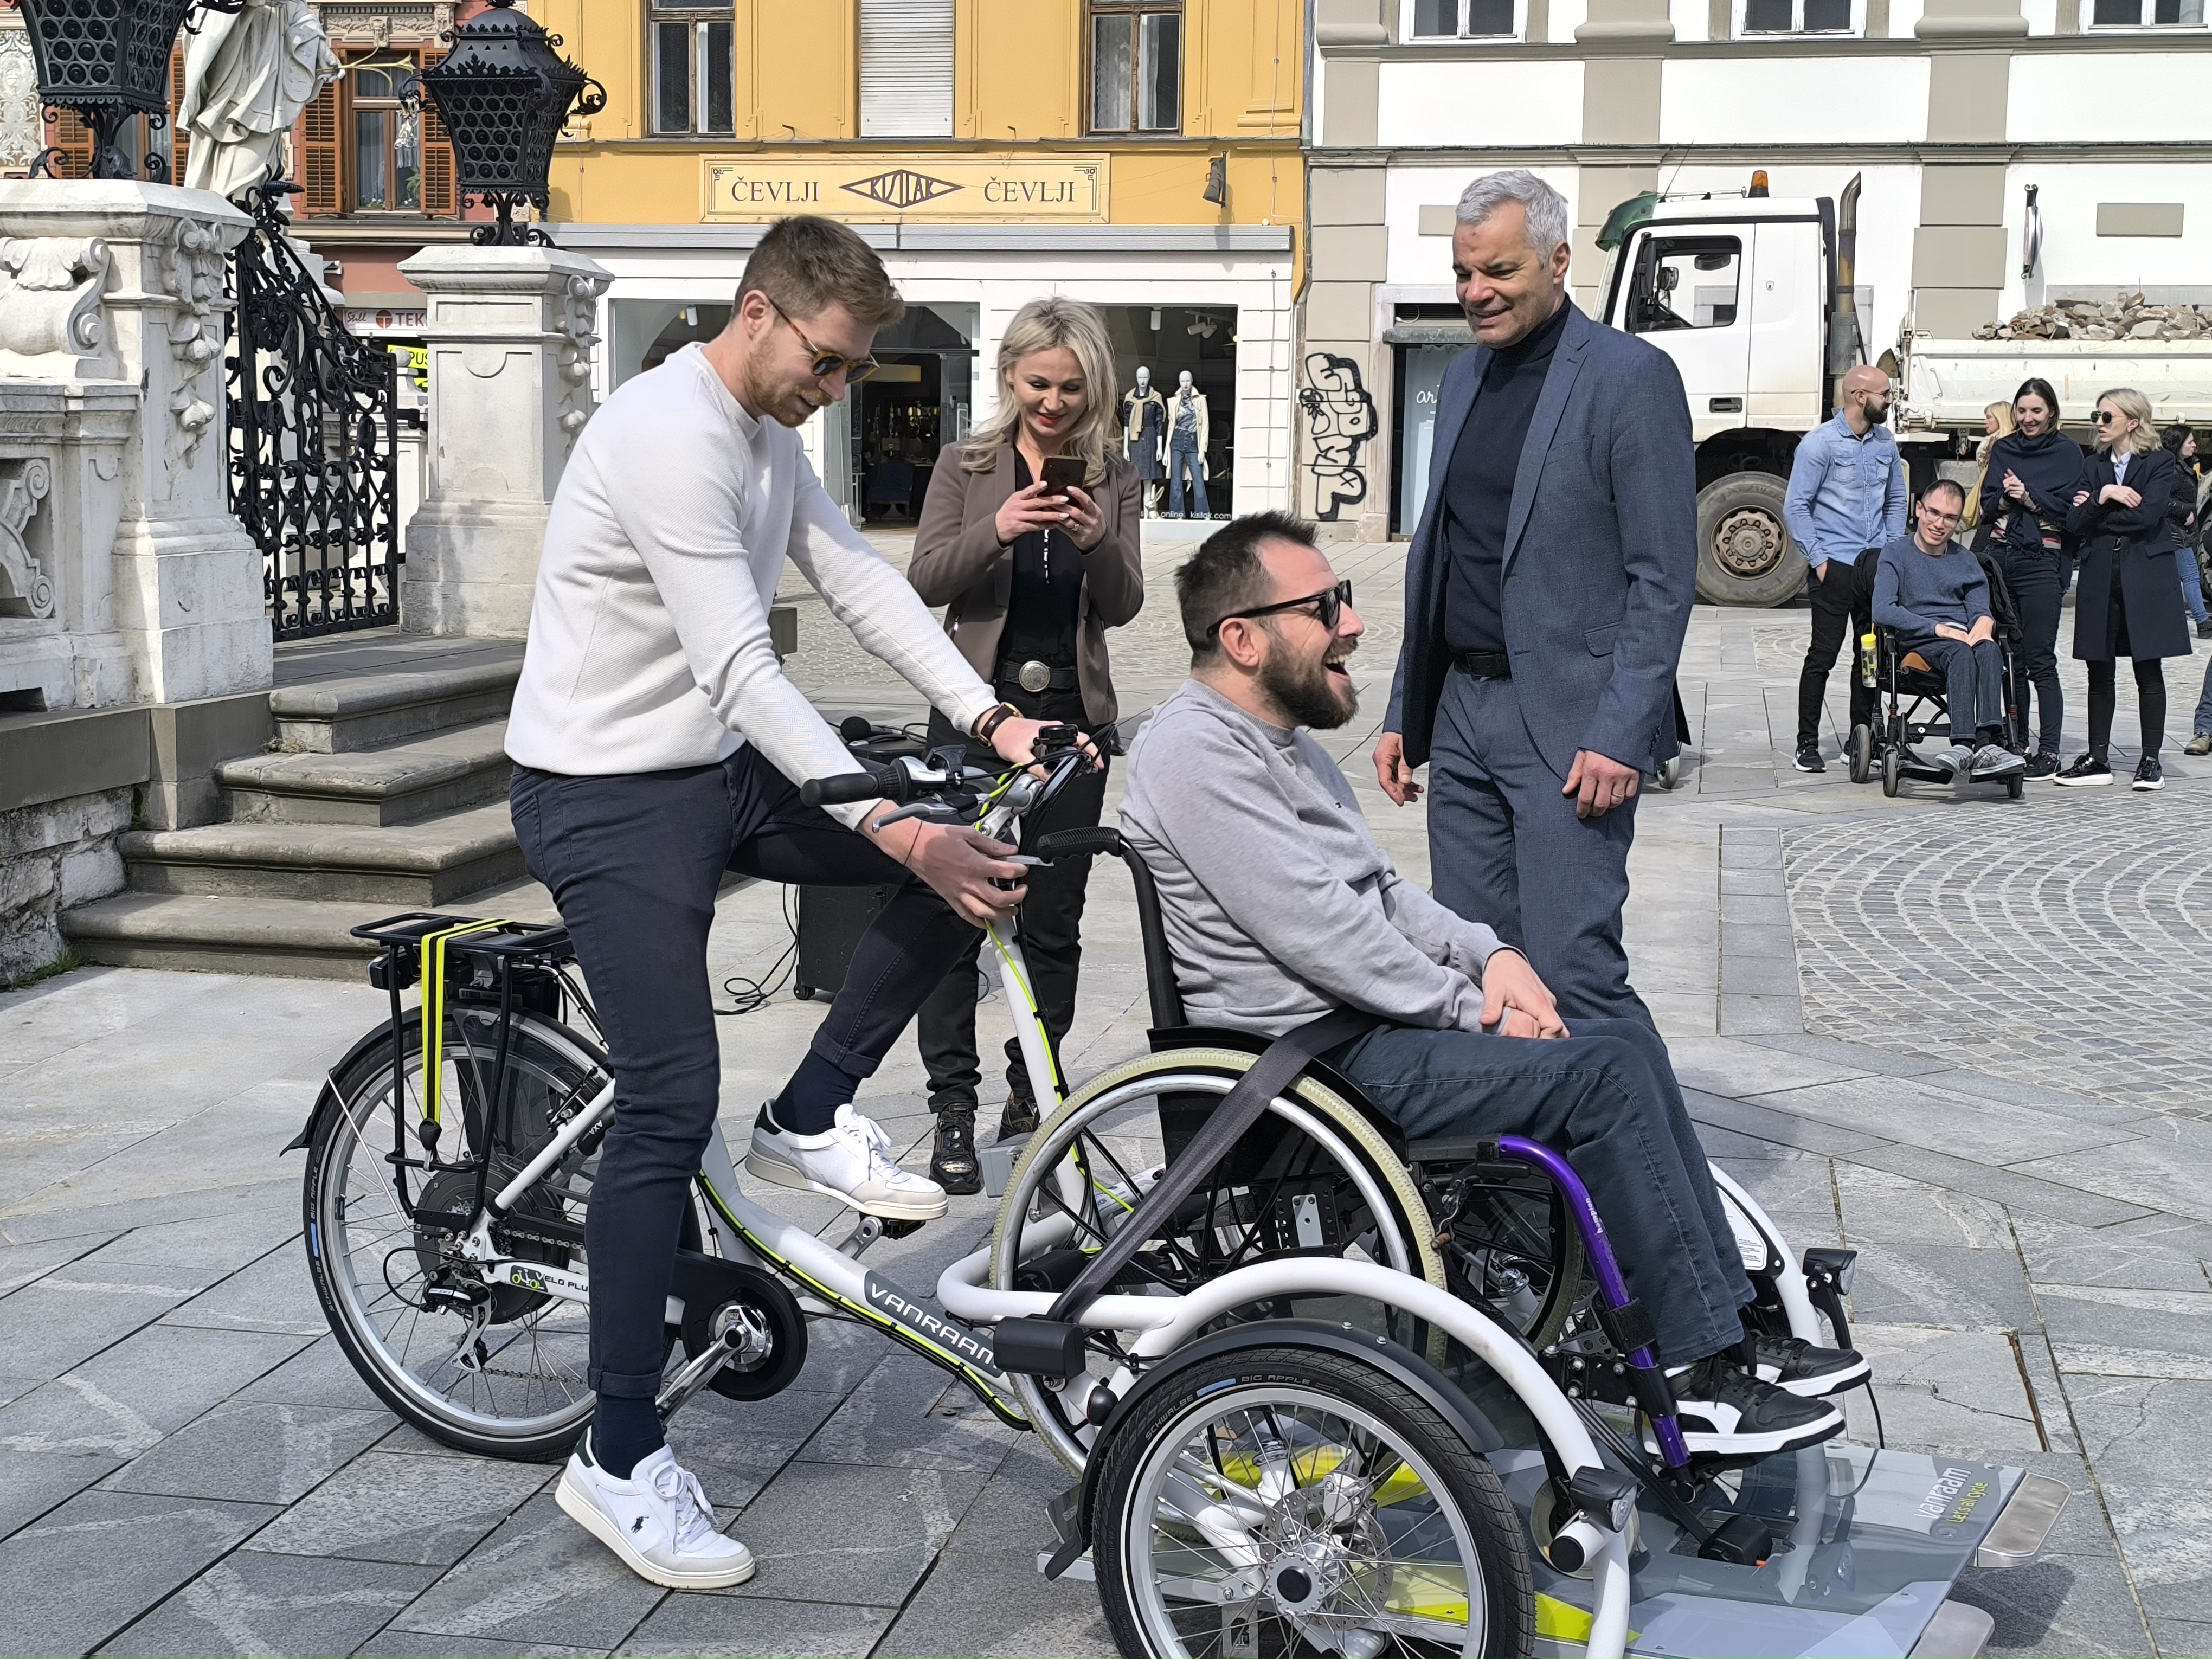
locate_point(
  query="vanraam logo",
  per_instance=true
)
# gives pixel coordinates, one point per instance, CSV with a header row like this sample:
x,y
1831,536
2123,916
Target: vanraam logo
x,y
1953,1497
946,1332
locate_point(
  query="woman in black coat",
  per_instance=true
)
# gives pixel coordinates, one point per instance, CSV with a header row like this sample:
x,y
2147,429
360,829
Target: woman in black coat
x,y
2129,604
2034,473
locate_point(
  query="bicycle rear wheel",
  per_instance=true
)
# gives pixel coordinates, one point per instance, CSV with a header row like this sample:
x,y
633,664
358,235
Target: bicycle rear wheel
x,y
496,1370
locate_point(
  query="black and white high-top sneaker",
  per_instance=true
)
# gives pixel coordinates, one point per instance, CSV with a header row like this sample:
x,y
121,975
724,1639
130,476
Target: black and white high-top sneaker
x,y
1796,1366
1725,1411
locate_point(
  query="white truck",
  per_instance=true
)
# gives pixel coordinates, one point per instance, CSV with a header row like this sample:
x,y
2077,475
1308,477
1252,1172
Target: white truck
x,y
1751,297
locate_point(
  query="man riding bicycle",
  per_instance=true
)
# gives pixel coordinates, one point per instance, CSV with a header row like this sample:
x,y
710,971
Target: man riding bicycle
x,y
1280,905
656,740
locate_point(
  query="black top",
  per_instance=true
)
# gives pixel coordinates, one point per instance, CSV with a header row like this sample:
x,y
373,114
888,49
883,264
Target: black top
x,y
1045,600
1478,486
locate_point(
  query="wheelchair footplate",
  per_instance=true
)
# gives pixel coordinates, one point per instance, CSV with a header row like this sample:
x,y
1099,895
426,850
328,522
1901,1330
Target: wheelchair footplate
x,y
1866,1545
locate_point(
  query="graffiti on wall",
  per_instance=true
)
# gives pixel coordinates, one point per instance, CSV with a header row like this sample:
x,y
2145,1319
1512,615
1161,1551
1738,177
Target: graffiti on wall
x,y
1339,420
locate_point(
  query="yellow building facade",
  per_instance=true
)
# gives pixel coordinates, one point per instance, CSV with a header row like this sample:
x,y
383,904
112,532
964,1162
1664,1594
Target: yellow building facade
x,y
1140,154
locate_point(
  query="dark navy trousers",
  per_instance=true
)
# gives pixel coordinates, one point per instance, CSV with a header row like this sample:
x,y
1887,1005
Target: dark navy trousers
x,y
634,862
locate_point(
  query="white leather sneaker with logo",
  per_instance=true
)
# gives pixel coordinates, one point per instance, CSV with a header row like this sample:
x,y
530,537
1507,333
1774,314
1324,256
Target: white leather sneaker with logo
x,y
659,1521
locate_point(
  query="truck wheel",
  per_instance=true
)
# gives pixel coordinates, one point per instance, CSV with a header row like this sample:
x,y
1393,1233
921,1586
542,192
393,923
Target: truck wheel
x,y
1745,556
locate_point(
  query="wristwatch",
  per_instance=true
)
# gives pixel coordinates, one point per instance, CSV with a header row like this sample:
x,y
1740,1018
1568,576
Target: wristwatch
x,y
991,719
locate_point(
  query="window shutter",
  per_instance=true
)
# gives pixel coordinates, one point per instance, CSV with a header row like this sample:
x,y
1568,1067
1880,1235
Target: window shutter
x,y
905,68
65,133
322,153
438,198
180,146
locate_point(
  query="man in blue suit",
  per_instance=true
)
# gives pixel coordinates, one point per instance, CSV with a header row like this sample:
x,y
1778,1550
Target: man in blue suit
x,y
1549,583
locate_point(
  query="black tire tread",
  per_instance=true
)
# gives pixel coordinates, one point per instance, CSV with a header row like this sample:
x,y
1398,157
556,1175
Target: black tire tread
x,y
1499,1539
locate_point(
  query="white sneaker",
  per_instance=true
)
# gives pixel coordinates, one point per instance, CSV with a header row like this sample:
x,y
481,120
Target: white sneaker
x,y
851,1163
659,1521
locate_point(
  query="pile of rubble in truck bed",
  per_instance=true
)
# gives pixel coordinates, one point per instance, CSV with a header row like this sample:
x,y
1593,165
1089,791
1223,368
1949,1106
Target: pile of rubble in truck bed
x,y
2126,319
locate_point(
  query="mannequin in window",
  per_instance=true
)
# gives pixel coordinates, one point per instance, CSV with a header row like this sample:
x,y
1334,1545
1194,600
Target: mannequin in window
x,y
1186,433
1144,430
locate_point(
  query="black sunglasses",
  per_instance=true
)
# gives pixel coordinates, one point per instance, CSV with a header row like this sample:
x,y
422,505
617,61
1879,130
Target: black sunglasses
x,y
1331,606
2104,417
827,364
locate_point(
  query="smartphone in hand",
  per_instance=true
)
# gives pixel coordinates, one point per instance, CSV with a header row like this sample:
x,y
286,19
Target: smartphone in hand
x,y
1062,470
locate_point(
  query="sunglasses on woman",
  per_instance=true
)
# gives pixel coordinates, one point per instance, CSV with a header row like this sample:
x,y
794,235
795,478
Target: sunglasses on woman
x,y
826,363
2104,417
1329,607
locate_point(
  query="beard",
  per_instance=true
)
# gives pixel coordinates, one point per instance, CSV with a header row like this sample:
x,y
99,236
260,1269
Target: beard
x,y
1307,692
1877,414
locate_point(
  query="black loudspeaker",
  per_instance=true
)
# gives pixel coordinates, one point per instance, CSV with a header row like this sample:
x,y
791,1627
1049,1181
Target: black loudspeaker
x,y
832,919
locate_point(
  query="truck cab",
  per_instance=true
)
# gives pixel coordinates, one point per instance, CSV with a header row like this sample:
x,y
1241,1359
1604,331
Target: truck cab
x,y
1742,293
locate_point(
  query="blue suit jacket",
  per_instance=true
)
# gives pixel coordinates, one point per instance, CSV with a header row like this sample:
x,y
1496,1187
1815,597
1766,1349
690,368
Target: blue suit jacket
x,y
1601,554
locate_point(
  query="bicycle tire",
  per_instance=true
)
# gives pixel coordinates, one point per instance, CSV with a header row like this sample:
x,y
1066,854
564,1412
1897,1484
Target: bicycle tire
x,y
552,1069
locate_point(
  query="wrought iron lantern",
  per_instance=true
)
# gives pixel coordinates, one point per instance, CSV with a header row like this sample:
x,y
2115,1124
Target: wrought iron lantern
x,y
107,61
503,94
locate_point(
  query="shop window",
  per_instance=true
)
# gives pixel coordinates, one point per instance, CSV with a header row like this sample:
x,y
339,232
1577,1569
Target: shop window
x,y
363,151
1463,19
1136,66
2148,14
1796,17
905,68
693,86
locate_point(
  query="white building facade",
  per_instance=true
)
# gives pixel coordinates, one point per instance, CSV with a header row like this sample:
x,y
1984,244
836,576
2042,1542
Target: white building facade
x,y
1947,112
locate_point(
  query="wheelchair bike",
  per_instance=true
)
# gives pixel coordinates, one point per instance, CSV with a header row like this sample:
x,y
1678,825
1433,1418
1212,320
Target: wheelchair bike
x,y
1336,1394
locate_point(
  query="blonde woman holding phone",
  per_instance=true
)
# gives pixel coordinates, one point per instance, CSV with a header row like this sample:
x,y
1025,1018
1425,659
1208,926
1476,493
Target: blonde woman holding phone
x,y
1029,540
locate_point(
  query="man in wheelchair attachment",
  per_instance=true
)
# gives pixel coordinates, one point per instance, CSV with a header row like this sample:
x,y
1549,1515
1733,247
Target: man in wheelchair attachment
x,y
1280,905
1930,591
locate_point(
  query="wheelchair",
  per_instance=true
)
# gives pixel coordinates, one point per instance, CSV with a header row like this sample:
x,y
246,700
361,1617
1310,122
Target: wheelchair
x,y
1325,1233
1913,703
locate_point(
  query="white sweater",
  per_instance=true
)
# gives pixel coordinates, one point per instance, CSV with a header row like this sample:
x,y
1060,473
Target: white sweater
x,y
648,635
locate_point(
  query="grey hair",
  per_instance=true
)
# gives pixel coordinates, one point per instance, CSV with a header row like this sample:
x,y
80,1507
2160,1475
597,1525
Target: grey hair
x,y
1546,210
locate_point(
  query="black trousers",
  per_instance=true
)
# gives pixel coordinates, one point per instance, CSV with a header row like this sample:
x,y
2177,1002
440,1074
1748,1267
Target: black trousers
x,y
2038,581
1048,926
1842,609
634,861
2104,684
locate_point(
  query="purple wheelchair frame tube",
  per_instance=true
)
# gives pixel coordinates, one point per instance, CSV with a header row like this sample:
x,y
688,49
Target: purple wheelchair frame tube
x,y
1610,1284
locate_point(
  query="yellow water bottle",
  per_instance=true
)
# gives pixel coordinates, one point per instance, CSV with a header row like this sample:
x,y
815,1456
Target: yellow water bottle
x,y
1867,661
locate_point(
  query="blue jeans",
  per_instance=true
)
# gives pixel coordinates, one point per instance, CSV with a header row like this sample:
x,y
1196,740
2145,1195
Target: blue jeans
x,y
2192,587
1974,688
1607,1098
1182,453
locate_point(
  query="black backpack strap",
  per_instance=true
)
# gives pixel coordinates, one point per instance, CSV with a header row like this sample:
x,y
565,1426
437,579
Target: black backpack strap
x,y
1052,1345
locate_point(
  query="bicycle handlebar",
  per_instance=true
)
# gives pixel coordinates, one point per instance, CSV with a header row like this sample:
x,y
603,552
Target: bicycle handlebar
x,y
873,783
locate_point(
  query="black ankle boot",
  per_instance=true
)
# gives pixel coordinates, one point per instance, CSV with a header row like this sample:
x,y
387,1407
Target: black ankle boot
x,y
1019,1117
952,1166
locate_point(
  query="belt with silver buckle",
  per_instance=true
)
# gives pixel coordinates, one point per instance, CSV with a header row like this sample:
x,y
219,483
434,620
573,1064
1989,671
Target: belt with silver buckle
x,y
1035,676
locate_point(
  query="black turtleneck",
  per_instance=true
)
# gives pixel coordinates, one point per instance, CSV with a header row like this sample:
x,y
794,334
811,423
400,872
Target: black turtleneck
x,y
1479,486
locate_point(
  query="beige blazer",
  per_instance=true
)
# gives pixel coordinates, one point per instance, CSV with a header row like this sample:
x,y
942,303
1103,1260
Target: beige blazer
x,y
958,563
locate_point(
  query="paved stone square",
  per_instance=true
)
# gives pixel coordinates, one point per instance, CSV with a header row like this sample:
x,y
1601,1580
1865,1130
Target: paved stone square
x,y
1957,1034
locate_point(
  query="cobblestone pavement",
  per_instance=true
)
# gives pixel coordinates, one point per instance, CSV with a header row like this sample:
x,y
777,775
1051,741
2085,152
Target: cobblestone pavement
x,y
2067,944
187,1466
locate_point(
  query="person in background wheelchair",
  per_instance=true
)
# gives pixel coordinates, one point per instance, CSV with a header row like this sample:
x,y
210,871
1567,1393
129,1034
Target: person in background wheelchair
x,y
1278,905
1930,591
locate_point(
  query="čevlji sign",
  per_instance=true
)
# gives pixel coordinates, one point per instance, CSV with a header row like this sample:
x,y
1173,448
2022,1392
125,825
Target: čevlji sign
x,y
945,187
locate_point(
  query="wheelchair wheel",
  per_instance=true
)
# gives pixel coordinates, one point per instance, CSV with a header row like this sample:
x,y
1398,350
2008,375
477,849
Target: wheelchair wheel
x,y
2015,786
1891,760
1282,1501
1668,774
1312,1178
1862,753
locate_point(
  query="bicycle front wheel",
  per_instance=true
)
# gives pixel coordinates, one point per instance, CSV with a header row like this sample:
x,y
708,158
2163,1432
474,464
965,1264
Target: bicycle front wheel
x,y
495,1370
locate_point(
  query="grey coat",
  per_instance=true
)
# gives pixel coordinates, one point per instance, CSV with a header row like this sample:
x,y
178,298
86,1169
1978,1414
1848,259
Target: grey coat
x,y
1601,554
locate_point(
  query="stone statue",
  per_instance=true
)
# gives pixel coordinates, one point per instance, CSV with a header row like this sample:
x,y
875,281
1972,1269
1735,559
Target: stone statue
x,y
247,75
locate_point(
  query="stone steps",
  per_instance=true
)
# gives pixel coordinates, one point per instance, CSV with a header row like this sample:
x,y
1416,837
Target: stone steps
x,y
423,865
370,711
402,783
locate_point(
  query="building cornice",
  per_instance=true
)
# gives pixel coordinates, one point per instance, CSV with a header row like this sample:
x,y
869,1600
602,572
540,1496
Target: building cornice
x,y
1948,153
1806,45
936,237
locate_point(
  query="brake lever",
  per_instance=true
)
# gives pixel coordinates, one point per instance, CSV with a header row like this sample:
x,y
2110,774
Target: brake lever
x,y
933,810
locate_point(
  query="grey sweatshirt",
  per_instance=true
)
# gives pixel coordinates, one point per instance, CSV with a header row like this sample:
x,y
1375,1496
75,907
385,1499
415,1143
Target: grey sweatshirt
x,y
1278,904
1914,589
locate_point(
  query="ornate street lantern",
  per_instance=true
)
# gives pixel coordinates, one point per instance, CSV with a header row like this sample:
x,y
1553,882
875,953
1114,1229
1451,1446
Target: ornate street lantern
x,y
107,61
504,94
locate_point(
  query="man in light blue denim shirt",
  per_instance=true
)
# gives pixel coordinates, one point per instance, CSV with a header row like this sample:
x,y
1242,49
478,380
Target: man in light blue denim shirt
x,y
1846,501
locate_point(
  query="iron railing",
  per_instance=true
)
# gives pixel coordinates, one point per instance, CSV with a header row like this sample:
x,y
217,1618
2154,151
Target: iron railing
x,y
314,439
